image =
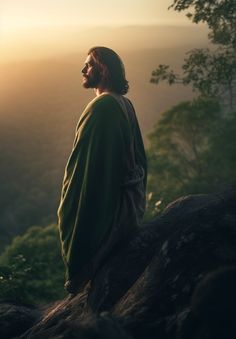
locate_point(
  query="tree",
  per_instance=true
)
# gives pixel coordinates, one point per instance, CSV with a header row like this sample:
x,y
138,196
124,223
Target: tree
x,y
31,268
179,150
192,148
210,72
219,15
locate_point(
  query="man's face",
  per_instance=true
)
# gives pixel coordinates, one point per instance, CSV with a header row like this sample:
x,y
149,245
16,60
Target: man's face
x,y
91,75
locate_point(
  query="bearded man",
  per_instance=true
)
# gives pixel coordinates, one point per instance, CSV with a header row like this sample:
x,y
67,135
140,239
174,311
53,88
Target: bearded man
x,y
103,191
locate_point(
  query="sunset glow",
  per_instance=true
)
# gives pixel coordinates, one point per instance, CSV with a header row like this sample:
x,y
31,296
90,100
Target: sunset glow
x,y
28,13
46,27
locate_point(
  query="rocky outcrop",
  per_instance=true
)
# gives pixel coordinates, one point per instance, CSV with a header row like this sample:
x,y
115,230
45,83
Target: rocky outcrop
x,y
16,318
174,279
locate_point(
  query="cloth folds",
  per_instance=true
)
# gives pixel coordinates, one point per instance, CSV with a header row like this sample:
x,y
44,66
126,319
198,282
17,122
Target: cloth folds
x,y
93,207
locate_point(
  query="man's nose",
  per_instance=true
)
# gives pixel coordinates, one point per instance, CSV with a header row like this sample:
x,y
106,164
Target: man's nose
x,y
83,70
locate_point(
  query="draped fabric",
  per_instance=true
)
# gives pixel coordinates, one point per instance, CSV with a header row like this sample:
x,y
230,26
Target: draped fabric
x,y
93,186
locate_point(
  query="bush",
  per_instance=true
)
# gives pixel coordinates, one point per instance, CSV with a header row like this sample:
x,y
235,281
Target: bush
x,y
31,268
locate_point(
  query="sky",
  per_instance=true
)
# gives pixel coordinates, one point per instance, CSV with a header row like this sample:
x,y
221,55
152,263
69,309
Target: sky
x,y
15,14
38,28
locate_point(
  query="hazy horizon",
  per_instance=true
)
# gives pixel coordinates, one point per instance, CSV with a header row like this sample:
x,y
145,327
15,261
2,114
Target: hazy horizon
x,y
46,28
51,42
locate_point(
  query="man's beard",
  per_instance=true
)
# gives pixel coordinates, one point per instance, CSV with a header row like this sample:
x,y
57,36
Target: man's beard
x,y
92,80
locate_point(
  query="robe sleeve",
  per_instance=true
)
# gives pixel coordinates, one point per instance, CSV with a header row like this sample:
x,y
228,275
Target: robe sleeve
x,y
92,183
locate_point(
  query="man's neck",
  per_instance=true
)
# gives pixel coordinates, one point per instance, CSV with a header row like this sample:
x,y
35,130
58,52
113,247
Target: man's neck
x,y
98,91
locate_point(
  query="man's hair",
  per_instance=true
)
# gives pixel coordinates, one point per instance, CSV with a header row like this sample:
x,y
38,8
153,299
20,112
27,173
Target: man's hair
x,y
111,69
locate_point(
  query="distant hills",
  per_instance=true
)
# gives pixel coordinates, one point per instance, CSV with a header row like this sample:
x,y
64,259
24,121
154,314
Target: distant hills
x,y
38,43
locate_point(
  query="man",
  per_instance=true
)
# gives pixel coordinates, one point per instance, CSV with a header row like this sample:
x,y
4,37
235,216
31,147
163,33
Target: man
x,y
103,193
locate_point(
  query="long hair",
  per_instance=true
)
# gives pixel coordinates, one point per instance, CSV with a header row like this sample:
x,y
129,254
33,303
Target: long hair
x,y
111,69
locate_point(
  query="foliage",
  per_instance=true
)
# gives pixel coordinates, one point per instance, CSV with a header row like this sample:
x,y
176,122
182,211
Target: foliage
x,y
192,148
191,151
220,16
31,268
209,72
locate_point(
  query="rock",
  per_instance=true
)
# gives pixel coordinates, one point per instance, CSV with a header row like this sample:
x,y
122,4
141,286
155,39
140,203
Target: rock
x,y
203,239
149,288
15,319
100,327
213,307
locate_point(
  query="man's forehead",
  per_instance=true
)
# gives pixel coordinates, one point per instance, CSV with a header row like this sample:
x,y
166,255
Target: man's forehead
x,y
88,60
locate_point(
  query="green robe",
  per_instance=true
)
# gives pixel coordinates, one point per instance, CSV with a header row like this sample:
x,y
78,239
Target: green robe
x,y
92,186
